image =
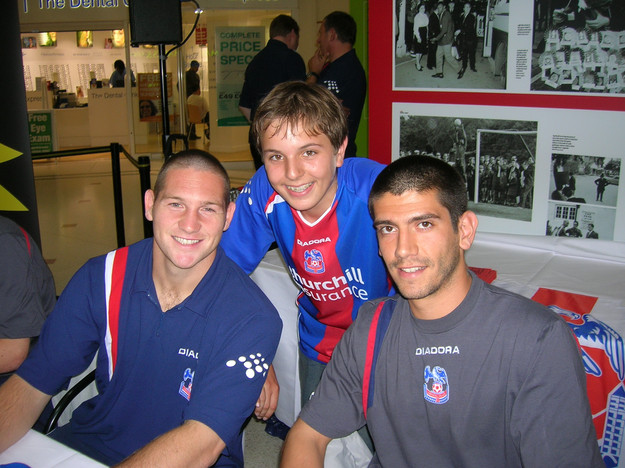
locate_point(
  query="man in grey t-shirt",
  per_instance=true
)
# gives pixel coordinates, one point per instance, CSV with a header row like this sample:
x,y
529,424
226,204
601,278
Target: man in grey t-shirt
x,y
27,295
452,372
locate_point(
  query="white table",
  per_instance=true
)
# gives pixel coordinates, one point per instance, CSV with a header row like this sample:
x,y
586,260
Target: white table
x,y
39,451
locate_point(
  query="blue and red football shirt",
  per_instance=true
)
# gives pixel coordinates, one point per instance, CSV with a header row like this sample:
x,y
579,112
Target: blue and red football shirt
x,y
334,261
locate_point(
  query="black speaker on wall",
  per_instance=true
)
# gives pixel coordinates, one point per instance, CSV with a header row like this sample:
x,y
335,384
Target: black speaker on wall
x,y
155,22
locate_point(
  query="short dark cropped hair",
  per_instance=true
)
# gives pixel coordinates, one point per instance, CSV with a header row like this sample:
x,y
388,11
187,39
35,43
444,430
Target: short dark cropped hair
x,y
193,159
343,24
423,174
281,25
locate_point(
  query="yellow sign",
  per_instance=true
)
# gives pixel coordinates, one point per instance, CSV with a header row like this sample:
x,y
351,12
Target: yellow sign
x,y
7,201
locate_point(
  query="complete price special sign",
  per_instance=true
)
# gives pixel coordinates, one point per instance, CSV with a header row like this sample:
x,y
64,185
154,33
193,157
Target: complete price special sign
x,y
236,47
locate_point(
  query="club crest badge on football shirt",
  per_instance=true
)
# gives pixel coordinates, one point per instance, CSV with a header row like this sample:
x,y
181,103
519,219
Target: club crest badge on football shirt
x,y
436,386
313,261
186,384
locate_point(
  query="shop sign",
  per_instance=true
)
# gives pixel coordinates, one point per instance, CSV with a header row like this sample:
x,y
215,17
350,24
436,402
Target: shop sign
x,y
236,47
40,131
201,36
52,11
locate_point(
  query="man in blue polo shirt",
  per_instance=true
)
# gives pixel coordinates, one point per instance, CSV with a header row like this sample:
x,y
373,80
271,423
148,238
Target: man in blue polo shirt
x,y
183,337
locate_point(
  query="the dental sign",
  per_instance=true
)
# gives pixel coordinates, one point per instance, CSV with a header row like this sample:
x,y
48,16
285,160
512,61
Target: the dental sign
x,y
30,6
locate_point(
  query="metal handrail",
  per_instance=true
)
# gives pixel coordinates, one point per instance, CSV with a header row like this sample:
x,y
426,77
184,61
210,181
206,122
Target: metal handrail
x,y
142,164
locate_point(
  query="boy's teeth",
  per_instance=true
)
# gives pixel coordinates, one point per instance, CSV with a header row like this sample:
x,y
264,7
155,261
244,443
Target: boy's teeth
x,y
301,188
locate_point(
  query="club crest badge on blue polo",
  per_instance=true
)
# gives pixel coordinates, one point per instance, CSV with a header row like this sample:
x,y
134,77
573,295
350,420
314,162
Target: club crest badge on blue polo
x,y
314,262
186,384
436,386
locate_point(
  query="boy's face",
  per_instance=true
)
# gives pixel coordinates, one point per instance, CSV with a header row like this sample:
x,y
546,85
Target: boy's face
x,y
302,168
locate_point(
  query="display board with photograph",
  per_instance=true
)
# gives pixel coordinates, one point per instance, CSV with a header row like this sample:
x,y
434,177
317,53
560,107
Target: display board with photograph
x,y
511,186
511,92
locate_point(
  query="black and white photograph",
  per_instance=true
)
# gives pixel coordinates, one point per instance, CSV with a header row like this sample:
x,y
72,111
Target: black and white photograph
x,y
583,196
566,219
585,179
496,157
454,44
578,46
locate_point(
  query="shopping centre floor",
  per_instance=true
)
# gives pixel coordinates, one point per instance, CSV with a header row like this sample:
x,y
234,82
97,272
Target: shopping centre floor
x,y
77,222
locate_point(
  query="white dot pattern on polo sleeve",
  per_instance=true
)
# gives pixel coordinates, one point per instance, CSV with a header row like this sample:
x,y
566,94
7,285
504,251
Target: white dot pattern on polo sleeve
x,y
254,365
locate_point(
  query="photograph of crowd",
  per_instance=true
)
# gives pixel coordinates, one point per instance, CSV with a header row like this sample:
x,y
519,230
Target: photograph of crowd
x,y
578,46
451,44
496,157
583,196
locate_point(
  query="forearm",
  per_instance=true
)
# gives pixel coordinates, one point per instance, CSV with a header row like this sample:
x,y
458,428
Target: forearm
x,y
12,353
268,400
304,447
20,406
192,444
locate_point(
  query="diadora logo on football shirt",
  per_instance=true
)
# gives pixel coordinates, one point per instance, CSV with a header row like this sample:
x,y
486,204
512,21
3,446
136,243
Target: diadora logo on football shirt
x,y
313,242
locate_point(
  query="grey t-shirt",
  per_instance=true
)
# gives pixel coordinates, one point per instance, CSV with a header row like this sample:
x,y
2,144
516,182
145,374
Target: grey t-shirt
x,y
498,382
27,293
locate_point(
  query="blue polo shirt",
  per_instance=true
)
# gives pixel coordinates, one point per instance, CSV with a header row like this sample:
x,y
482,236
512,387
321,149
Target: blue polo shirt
x,y
205,359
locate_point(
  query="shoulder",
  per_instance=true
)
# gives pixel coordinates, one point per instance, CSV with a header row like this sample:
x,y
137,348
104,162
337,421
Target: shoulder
x,y
516,310
13,239
243,296
369,310
354,61
358,174
295,58
257,191
360,167
127,258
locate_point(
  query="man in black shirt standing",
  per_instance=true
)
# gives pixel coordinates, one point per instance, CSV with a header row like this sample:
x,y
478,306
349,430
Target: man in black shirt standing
x,y
336,66
276,63
192,80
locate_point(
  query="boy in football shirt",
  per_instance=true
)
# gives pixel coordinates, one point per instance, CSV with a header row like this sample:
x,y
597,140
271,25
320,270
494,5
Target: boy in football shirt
x,y
312,202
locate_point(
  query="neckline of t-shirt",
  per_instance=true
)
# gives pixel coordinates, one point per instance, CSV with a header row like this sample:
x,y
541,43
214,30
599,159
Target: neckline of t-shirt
x,y
456,316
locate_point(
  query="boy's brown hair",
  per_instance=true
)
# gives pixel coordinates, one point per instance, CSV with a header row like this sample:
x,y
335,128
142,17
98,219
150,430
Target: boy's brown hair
x,y
301,106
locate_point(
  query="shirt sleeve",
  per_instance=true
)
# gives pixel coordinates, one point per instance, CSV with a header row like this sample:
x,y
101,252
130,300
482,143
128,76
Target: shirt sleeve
x,y
335,408
246,98
249,236
552,409
69,338
225,393
22,310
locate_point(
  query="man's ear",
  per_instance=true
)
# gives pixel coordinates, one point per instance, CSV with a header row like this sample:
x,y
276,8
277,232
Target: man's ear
x,y
148,199
467,227
331,34
229,214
